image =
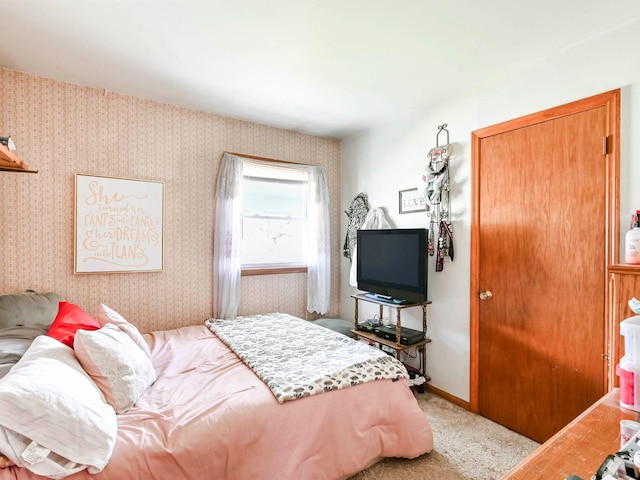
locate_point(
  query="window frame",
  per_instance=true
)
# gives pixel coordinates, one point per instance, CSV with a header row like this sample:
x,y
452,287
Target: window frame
x,y
272,268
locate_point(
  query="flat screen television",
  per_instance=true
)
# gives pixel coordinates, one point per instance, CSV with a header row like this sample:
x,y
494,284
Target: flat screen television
x,y
392,263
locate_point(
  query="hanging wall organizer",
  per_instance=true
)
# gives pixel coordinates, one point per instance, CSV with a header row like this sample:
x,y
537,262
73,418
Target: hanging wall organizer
x,y
435,187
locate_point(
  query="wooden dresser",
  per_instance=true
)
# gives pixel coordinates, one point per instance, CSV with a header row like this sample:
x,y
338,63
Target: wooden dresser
x,y
624,284
580,447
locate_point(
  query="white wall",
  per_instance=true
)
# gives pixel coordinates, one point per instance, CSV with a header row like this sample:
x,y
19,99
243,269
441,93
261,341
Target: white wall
x,y
391,157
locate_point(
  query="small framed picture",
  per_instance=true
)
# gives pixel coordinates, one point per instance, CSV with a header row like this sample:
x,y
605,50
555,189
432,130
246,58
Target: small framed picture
x,y
411,200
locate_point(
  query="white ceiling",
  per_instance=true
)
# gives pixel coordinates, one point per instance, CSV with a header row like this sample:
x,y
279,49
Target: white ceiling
x,y
325,67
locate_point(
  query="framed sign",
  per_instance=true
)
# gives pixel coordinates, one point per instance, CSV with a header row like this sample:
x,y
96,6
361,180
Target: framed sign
x,y
118,225
411,200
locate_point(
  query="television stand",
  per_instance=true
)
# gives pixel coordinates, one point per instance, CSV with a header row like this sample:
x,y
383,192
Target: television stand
x,y
386,299
397,345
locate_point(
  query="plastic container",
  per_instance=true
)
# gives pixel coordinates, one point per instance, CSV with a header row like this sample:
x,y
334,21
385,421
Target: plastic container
x,y
632,244
629,387
630,329
628,430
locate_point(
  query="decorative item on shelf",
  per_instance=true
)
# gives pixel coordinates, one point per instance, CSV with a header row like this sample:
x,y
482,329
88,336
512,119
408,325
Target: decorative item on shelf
x,y
634,305
7,142
434,187
9,162
632,241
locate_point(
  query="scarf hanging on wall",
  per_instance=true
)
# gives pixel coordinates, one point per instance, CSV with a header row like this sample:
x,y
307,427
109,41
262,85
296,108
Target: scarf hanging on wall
x,y
356,212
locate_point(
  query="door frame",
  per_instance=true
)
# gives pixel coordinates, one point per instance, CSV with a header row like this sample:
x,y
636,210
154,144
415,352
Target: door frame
x,y
610,100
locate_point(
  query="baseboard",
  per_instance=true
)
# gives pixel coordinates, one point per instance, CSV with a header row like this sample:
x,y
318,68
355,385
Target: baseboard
x,y
447,396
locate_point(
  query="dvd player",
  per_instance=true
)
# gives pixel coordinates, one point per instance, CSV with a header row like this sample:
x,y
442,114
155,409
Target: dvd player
x,y
408,336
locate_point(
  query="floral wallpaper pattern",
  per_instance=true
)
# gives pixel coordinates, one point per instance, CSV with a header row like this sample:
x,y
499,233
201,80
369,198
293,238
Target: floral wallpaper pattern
x,y
62,129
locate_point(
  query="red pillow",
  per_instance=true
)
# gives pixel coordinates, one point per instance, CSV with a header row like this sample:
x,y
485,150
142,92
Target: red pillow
x,y
71,318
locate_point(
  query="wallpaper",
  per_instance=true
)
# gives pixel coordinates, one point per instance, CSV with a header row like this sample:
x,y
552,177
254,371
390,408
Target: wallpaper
x,y
62,129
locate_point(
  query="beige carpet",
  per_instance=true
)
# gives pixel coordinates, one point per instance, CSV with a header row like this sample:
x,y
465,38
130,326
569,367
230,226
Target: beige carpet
x,y
466,446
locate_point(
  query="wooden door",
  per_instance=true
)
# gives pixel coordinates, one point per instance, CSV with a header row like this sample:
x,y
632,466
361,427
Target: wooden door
x,y
540,245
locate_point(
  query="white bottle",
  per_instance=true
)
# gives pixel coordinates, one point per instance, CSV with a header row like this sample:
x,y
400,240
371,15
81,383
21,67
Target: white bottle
x,y
632,244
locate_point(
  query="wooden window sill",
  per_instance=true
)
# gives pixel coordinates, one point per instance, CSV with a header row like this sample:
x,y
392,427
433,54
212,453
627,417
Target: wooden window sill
x,y
273,270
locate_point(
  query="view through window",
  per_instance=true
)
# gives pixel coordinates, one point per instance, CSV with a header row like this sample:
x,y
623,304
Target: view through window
x,y
274,215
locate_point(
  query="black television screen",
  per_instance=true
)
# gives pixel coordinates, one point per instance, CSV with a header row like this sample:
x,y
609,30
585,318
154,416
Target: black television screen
x,y
393,263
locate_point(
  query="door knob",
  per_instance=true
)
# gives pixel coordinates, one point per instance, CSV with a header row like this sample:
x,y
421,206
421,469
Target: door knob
x,y
485,295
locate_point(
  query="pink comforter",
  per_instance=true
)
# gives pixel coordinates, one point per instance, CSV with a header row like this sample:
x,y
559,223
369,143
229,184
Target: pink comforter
x,y
208,416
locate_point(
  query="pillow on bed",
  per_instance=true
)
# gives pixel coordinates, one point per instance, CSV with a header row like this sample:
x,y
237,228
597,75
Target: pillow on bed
x,y
14,341
5,462
29,309
69,320
4,368
107,315
53,419
23,317
120,369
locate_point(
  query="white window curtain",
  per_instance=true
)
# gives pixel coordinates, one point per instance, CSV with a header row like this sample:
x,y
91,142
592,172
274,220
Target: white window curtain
x,y
227,238
319,253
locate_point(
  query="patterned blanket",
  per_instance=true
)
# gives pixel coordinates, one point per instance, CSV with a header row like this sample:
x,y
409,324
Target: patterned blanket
x,y
296,358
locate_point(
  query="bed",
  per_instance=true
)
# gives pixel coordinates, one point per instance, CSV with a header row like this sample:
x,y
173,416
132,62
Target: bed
x,y
208,414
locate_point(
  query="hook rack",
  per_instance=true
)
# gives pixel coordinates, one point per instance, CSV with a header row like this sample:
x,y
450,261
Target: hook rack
x,y
440,129
436,196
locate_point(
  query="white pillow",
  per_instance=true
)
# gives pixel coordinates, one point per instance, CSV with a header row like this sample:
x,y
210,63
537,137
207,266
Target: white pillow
x,y
53,419
107,315
120,369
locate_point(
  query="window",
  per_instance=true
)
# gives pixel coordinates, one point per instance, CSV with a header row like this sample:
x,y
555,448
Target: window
x,y
274,217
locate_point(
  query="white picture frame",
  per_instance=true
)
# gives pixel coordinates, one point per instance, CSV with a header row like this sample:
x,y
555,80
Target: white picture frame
x,y
411,200
118,225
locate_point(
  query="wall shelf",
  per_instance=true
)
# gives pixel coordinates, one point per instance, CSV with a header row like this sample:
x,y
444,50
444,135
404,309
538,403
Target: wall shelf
x,y
10,163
